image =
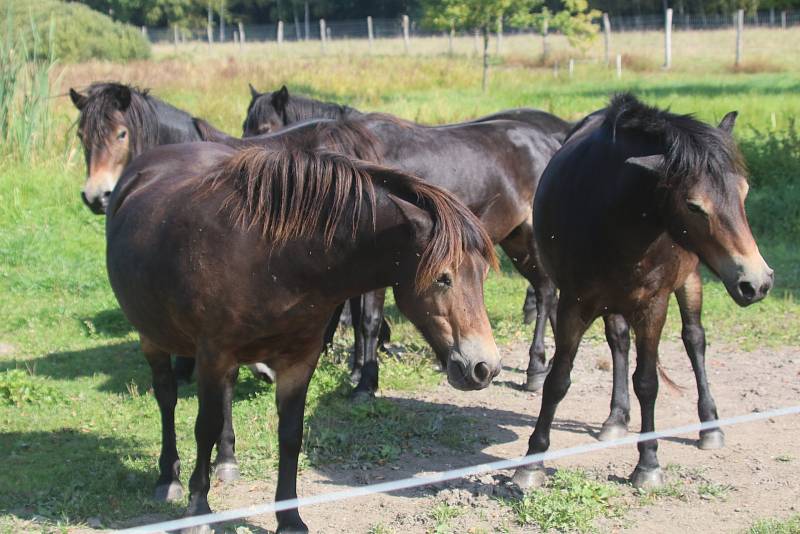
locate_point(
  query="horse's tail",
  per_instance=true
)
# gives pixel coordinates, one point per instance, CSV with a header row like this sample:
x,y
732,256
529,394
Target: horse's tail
x,y
207,132
667,380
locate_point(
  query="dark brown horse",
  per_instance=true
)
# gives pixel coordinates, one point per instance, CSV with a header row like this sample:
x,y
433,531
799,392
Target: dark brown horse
x,y
118,122
241,256
493,178
624,212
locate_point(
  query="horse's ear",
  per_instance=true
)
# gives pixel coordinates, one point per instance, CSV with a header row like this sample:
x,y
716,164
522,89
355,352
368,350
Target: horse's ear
x,y
78,99
280,98
419,219
123,97
253,92
728,121
654,163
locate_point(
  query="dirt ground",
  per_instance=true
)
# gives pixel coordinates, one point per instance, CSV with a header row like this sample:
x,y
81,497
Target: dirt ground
x,y
758,470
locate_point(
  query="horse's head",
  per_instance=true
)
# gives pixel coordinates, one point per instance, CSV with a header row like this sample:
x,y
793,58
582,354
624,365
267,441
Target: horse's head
x,y
105,132
266,112
707,213
442,294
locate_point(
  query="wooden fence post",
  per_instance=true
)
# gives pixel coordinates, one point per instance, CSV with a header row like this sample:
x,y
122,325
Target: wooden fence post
x,y
545,28
222,21
370,33
607,37
450,38
571,67
406,38
280,32
175,35
668,39
210,25
322,33
499,35
619,66
476,42
739,31
241,33
783,20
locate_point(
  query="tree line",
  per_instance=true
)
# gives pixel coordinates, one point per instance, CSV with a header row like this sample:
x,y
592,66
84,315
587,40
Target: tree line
x,y
194,13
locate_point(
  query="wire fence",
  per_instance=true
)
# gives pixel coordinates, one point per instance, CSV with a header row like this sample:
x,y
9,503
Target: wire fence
x,y
413,482
388,28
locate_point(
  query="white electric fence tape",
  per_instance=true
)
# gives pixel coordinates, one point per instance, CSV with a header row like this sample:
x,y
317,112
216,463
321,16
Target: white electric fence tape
x,y
413,482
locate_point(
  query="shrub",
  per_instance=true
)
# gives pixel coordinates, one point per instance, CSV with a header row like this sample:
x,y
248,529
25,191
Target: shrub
x,y
80,33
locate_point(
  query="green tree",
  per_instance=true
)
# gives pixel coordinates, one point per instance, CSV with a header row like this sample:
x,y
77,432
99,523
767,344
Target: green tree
x,y
476,15
575,21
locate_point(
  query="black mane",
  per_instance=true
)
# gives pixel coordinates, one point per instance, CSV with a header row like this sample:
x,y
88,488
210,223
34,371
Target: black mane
x,y
691,147
298,108
150,121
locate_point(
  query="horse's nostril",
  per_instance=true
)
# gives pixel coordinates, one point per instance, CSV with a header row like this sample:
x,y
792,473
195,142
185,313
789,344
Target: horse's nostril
x,y
481,372
747,290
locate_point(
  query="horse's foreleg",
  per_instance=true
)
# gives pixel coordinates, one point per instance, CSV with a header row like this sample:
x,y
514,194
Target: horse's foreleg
x,y
165,387
647,325
690,302
619,341
290,396
368,331
568,337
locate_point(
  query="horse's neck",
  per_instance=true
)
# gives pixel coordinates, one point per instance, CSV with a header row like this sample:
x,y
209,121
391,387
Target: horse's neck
x,y
174,125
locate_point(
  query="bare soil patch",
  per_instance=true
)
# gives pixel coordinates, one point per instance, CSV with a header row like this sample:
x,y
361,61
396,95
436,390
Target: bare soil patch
x,y
756,475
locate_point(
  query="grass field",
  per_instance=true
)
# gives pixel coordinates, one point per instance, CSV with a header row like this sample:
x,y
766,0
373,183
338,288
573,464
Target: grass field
x,y
79,425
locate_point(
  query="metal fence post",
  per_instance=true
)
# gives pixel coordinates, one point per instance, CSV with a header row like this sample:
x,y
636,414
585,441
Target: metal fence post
x,y
739,31
668,39
405,33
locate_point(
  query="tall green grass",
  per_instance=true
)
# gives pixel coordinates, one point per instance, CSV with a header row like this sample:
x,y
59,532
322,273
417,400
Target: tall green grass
x,y
26,64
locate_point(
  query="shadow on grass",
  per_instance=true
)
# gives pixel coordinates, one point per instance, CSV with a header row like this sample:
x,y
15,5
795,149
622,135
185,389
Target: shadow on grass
x,y
110,323
68,476
121,366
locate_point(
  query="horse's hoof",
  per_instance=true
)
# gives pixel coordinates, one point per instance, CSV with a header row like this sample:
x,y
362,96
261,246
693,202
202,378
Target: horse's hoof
x,y
292,529
529,477
355,376
199,529
227,472
358,396
529,316
647,478
712,440
534,382
171,492
612,431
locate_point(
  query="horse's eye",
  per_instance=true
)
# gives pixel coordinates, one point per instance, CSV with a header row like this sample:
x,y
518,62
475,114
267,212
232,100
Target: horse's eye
x,y
445,280
121,135
694,207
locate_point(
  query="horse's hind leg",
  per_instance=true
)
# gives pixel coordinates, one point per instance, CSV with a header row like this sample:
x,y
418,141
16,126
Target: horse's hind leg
x,y
226,467
690,302
619,340
368,331
165,387
648,326
529,306
520,246
213,372
568,337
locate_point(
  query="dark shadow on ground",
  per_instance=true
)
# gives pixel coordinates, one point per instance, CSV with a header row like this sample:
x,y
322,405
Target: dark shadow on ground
x,y
121,366
70,475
